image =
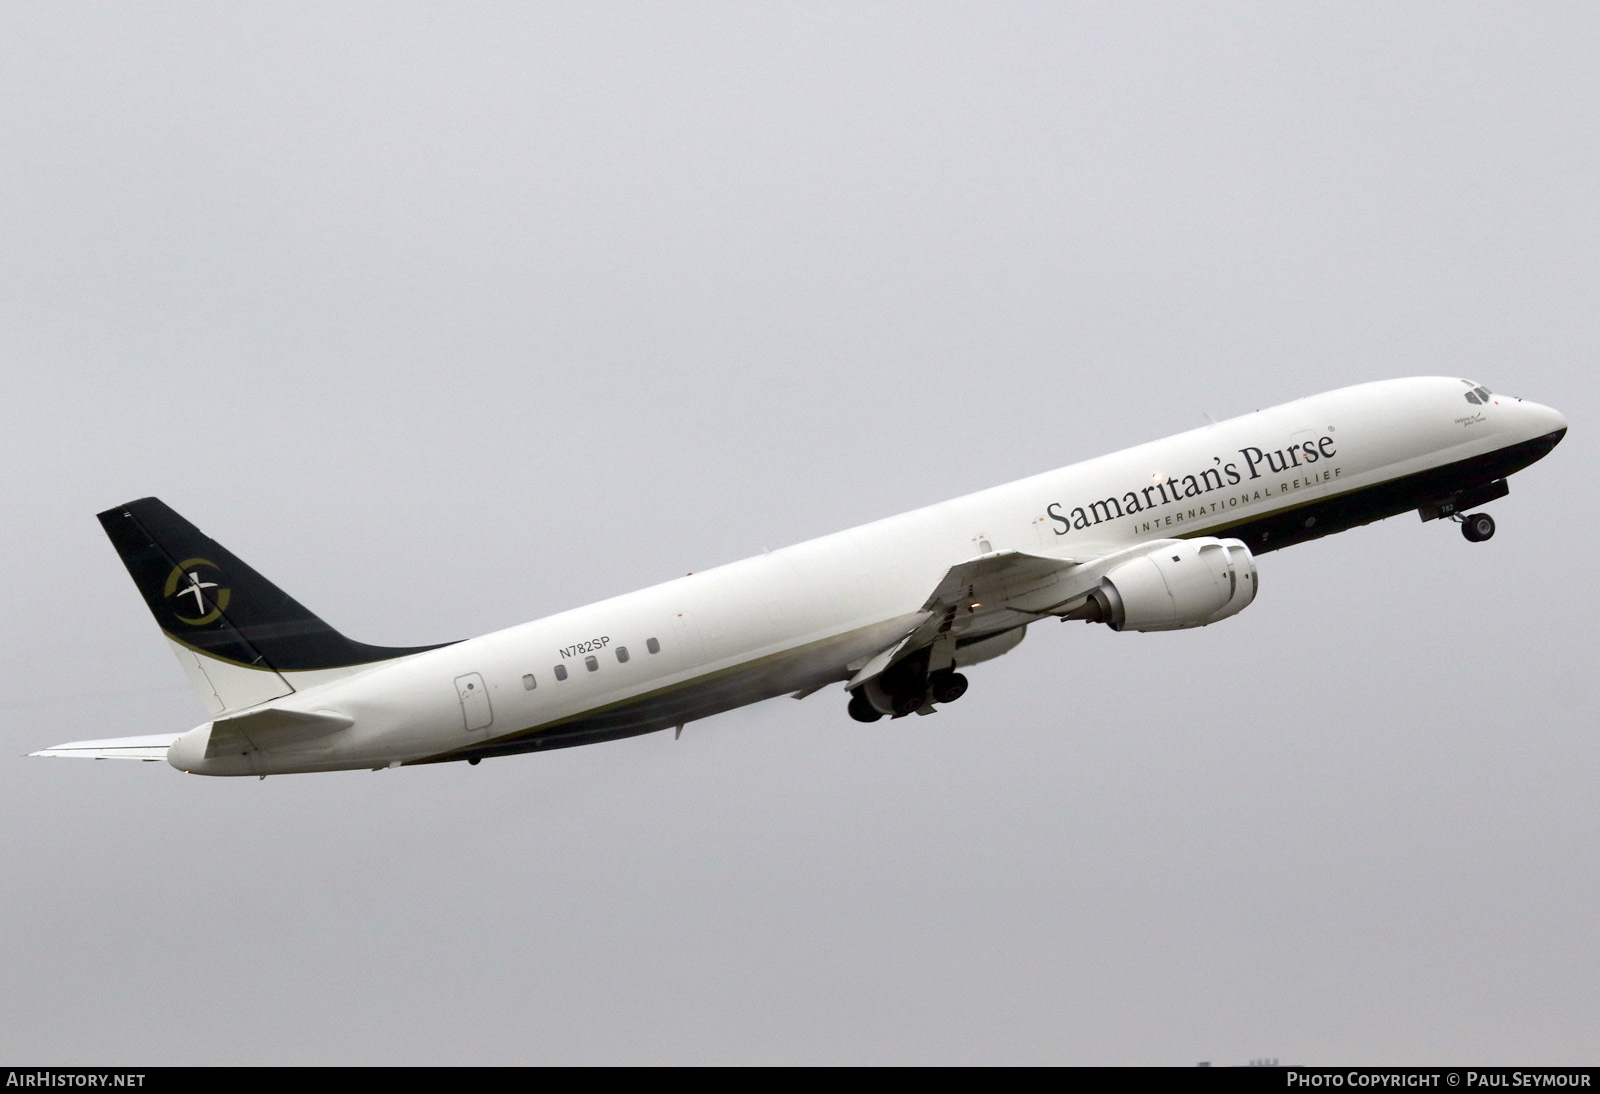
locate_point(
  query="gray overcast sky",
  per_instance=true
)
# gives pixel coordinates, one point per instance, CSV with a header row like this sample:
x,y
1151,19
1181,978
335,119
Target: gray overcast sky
x,y
448,317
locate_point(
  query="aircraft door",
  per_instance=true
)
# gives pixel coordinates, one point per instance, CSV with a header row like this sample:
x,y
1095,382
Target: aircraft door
x,y
475,710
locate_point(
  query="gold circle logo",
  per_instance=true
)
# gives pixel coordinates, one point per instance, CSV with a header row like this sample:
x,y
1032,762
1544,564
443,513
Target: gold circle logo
x,y
209,599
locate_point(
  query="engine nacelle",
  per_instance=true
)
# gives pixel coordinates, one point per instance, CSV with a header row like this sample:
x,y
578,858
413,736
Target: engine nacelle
x,y
1177,584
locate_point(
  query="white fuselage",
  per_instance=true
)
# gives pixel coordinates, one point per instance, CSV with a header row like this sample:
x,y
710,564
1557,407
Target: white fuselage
x,y
811,614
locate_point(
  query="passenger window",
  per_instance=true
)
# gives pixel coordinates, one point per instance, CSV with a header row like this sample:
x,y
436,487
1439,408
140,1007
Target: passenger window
x,y
561,672
528,682
622,655
591,663
653,646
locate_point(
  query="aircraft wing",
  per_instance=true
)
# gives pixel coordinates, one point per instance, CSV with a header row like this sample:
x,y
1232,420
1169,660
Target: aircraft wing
x,y
115,748
1008,581
984,596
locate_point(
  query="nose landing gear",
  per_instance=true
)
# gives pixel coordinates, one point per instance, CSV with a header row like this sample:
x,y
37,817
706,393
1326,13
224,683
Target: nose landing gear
x,y
1477,527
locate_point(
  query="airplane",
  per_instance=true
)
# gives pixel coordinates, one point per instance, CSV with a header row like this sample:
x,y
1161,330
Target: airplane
x,y
1160,537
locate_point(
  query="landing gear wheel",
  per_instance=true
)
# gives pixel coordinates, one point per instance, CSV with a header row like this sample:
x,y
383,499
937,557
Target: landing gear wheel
x,y
1477,527
947,687
863,711
908,703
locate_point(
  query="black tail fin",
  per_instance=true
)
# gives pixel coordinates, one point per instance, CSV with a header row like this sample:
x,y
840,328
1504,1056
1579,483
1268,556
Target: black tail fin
x,y
207,599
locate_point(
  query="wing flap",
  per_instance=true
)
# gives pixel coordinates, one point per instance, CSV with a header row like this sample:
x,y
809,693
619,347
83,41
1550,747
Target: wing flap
x,y
983,596
994,593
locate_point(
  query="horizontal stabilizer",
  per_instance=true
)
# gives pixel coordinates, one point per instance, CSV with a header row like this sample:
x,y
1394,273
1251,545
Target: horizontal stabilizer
x,y
271,728
116,748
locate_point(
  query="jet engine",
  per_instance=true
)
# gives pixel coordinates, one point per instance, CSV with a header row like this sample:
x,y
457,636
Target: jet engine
x,y
1176,584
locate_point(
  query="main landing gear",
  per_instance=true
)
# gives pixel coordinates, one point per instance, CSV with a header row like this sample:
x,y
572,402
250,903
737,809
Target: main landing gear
x,y
940,687
946,687
861,710
1477,527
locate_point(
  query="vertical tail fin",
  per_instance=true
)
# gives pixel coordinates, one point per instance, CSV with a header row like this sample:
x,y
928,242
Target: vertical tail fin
x,y
241,638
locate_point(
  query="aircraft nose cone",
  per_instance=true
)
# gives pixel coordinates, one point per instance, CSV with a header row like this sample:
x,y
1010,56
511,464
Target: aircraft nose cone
x,y
1553,422
1546,427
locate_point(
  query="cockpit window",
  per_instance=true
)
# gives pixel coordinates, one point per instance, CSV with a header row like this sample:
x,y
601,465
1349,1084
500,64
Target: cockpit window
x,y
1479,395
1472,397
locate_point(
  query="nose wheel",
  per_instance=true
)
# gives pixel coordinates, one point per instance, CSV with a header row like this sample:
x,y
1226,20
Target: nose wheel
x,y
1477,527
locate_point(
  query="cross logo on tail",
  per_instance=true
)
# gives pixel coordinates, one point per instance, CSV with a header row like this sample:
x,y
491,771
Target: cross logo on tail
x,y
209,598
